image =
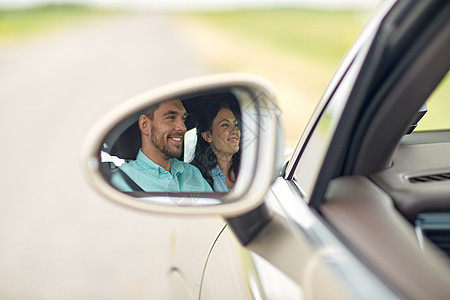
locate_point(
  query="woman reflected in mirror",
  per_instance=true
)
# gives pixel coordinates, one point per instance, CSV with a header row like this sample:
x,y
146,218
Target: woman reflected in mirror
x,y
217,152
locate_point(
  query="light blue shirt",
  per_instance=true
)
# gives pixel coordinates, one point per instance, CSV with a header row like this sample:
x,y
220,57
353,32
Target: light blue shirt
x,y
151,177
220,181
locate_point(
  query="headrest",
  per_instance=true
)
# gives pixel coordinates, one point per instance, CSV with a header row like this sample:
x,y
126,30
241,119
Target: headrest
x,y
128,143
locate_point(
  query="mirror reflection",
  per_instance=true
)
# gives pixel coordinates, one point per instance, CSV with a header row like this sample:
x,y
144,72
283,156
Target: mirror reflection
x,y
188,144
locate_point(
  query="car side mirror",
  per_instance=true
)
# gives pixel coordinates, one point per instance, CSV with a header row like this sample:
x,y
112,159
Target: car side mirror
x,y
114,142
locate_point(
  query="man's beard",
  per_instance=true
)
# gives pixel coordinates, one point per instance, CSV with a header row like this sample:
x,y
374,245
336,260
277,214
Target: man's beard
x,y
163,145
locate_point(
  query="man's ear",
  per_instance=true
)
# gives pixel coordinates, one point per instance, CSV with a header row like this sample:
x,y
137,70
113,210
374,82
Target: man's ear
x,y
144,124
207,136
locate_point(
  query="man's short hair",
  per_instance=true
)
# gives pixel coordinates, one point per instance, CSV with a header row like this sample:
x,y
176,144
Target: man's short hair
x,y
151,110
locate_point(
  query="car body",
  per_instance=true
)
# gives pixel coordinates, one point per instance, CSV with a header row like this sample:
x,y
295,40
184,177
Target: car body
x,y
350,215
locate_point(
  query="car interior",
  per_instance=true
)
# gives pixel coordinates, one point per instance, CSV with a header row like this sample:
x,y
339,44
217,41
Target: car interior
x,y
386,215
419,179
391,203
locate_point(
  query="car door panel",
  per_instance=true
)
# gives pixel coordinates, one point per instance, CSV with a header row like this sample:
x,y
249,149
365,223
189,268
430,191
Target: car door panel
x,y
189,248
297,242
234,272
365,215
227,273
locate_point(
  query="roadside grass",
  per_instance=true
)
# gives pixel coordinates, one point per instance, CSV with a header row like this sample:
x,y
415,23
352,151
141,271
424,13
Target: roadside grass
x,y
321,36
297,50
438,106
19,23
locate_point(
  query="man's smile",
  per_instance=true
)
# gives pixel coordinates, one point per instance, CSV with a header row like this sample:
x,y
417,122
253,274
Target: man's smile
x,y
177,139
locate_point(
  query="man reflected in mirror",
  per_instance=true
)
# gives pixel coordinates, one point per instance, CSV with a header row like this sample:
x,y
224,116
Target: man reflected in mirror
x,y
156,167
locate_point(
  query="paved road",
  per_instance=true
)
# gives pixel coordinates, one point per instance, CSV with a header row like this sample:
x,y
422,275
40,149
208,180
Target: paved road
x,y
59,238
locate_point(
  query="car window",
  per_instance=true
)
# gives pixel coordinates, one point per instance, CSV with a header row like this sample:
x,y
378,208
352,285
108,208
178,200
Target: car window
x,y
313,154
438,105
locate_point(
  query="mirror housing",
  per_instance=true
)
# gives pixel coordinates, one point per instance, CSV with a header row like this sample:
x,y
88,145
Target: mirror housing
x,y
261,157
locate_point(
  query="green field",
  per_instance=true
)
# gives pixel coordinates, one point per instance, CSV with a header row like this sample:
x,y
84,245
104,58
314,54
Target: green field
x,y
438,107
20,23
321,36
297,50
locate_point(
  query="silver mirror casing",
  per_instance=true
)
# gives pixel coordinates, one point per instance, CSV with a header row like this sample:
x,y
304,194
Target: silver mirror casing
x,y
261,158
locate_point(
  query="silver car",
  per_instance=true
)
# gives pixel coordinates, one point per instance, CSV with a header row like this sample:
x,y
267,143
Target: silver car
x,y
360,210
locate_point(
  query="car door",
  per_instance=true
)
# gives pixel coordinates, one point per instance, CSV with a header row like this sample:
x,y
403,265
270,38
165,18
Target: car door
x,y
355,135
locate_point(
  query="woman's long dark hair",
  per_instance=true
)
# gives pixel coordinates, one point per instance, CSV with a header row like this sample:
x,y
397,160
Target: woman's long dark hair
x,y
204,158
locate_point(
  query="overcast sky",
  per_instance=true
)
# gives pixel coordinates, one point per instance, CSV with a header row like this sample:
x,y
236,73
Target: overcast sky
x,y
199,4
